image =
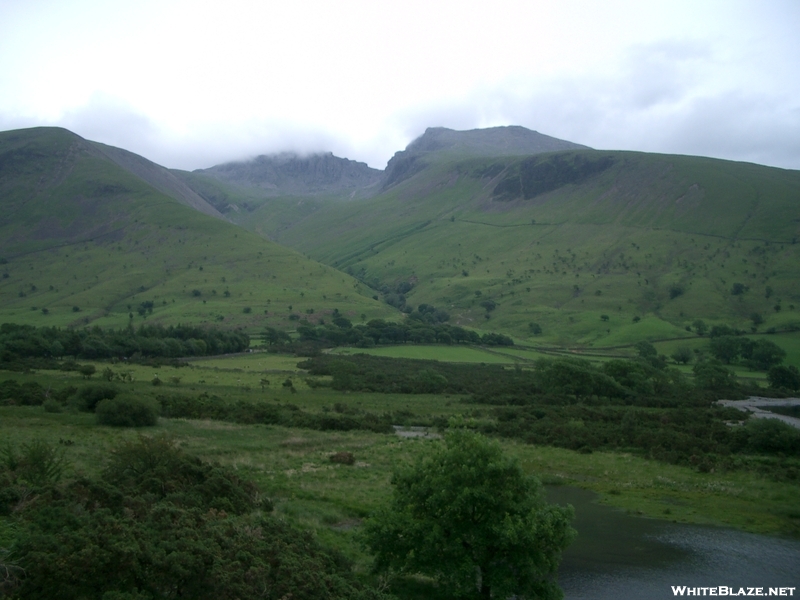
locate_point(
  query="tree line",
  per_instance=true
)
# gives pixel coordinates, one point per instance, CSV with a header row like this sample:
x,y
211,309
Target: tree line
x,y
26,341
341,332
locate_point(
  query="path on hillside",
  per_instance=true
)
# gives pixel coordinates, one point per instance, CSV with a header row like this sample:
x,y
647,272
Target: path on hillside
x,y
754,405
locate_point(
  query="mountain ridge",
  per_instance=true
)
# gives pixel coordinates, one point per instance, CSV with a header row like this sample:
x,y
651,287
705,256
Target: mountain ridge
x,y
86,241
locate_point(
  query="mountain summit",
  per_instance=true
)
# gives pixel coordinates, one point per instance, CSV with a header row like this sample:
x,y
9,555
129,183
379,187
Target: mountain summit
x,y
493,141
289,173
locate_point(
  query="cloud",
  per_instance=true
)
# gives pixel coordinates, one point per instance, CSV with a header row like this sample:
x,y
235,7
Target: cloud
x,y
105,118
671,97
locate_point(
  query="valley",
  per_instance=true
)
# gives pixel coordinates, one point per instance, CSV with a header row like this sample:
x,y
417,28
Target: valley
x,y
279,318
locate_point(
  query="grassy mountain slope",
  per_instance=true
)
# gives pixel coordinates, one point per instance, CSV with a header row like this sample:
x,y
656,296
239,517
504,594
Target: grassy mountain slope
x,y
596,247
85,241
270,194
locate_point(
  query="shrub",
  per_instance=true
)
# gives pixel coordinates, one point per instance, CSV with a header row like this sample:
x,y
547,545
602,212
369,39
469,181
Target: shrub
x,y
772,435
784,377
52,406
88,397
127,410
344,458
87,371
37,462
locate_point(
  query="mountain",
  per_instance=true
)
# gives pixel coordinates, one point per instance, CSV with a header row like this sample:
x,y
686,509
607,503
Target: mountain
x,y
270,194
593,247
91,234
568,246
438,142
292,174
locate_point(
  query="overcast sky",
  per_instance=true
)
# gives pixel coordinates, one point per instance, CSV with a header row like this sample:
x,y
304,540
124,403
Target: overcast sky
x,y
190,84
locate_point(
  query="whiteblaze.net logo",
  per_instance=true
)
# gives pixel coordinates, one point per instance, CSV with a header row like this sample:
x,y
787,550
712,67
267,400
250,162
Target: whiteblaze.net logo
x,y
723,590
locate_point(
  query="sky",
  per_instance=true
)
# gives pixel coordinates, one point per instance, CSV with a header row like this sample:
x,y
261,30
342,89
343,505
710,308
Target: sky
x,y
190,84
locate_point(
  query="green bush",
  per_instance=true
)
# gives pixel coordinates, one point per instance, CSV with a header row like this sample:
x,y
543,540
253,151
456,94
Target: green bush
x,y
52,406
161,524
127,410
771,435
37,463
87,398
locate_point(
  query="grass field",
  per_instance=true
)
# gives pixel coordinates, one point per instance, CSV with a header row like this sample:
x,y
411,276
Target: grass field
x,y
443,353
292,464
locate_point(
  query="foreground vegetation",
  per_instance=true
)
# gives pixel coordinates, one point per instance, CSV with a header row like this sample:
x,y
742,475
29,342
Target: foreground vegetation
x,y
319,478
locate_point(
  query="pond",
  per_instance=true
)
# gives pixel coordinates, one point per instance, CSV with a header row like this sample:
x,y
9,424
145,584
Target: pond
x,y
618,556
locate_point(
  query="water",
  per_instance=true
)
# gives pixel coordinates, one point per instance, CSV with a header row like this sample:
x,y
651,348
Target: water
x,y
618,557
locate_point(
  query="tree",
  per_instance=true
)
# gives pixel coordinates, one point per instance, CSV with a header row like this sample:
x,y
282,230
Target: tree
x,y
784,377
682,354
700,327
766,354
713,376
726,348
469,517
645,349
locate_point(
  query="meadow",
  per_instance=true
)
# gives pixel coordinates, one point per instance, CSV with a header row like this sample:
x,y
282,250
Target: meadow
x,y
292,464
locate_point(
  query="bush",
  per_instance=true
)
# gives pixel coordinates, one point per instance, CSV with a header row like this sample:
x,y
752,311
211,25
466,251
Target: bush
x,y
771,435
127,411
37,463
344,458
52,406
88,397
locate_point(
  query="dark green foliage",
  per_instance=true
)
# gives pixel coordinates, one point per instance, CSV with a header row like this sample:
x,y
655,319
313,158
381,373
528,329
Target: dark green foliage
x,y
720,330
726,348
87,398
343,458
714,377
25,341
675,291
682,355
269,413
576,378
423,327
782,377
540,174
127,410
489,305
569,379
274,337
27,394
645,349
761,354
623,405
469,517
156,465
342,323
771,435
700,327
87,371
52,406
36,463
160,524
738,289
764,354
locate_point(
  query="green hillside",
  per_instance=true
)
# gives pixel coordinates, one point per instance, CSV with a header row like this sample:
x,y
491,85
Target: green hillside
x,y
84,240
595,247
